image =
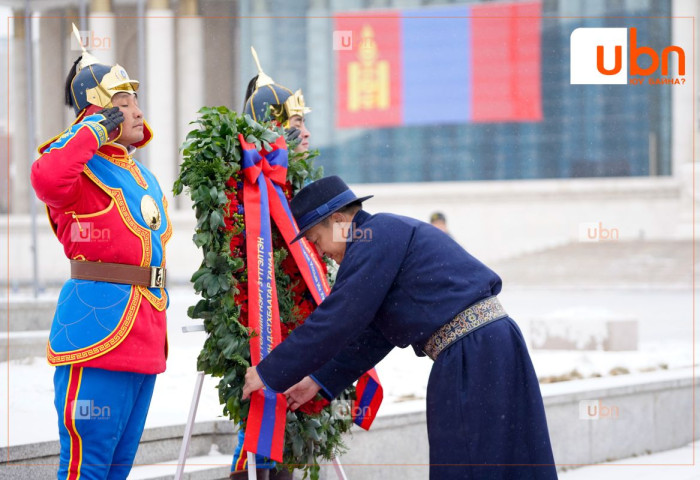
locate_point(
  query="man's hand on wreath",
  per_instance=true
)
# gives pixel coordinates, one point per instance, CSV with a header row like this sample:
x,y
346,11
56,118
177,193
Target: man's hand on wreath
x,y
301,393
252,382
113,117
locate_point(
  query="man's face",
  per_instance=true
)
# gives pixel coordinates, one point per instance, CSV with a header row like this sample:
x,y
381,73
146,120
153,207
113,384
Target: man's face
x,y
321,236
297,121
132,128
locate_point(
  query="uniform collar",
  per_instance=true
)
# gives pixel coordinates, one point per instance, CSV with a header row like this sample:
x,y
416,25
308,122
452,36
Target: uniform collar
x,y
117,152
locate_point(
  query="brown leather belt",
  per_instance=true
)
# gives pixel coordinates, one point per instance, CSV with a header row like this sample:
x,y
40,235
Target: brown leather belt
x,y
152,277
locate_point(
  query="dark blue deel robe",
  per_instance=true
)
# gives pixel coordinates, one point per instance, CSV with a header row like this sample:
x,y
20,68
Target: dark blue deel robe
x,y
400,280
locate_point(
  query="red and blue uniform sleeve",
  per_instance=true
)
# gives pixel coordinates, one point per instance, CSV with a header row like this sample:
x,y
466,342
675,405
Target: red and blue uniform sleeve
x,y
55,174
364,279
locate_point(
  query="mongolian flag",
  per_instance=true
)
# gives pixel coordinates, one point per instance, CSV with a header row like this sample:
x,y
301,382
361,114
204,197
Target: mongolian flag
x,y
369,394
443,65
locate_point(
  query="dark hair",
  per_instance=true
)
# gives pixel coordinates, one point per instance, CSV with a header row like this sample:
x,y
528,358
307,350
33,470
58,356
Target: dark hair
x,y
437,217
249,91
69,80
349,208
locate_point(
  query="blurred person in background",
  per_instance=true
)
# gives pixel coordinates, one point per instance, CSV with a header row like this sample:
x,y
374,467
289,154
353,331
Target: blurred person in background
x,y
438,220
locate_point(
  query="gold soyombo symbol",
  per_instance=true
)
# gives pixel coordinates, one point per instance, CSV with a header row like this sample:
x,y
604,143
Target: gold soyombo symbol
x,y
368,79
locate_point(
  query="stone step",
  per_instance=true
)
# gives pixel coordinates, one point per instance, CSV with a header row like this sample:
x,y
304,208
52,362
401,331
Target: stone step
x,y
23,344
158,445
208,467
27,314
584,328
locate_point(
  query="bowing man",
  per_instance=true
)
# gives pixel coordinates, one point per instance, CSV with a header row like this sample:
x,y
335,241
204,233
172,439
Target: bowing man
x,y
403,282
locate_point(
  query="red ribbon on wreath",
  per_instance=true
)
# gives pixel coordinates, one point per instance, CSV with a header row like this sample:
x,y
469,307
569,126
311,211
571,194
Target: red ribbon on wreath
x,y
265,174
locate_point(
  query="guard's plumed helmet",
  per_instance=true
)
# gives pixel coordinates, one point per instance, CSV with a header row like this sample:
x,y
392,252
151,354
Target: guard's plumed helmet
x,y
90,86
264,95
92,83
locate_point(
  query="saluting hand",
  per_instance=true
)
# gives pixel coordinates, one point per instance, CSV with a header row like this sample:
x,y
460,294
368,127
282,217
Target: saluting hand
x,y
292,135
113,117
252,382
301,393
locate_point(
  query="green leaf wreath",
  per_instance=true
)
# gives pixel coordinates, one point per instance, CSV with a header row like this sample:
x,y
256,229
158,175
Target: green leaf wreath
x,y
211,172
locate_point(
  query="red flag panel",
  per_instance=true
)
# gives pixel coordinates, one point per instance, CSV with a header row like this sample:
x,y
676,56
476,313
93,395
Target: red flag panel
x,y
506,62
369,70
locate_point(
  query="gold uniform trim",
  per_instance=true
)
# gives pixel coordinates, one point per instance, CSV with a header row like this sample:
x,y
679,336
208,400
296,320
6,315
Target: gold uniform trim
x,y
117,195
90,215
129,165
103,346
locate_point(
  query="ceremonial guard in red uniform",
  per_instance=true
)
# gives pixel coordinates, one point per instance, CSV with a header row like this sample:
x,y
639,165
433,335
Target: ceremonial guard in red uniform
x,y
108,337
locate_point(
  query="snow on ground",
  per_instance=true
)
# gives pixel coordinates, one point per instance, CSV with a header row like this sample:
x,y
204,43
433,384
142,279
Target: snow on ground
x,y
665,342
678,464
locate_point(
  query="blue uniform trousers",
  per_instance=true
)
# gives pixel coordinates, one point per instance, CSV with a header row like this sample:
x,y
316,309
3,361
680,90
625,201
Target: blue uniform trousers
x,y
101,414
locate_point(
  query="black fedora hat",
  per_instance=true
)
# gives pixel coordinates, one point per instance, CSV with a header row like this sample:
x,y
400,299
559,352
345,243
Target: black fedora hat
x,y
319,200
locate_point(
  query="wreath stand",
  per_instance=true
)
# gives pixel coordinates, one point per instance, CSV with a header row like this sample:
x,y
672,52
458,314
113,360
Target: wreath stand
x,y
182,458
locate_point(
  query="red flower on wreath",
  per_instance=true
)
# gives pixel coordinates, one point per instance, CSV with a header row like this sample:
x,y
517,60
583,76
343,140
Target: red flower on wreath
x,y
232,202
242,296
287,189
314,406
300,287
241,299
243,317
285,330
303,310
236,242
289,265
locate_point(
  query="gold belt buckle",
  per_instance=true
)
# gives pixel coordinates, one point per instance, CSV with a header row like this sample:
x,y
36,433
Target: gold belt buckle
x,y
157,277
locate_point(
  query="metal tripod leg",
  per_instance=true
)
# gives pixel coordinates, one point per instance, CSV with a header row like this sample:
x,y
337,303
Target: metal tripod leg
x,y
252,473
182,458
339,469
252,467
188,426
